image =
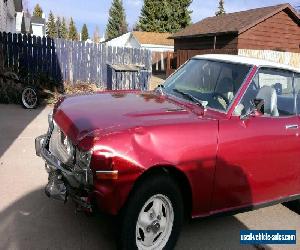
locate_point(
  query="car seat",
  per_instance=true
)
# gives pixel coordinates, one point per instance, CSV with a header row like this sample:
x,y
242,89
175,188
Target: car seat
x,y
225,87
268,94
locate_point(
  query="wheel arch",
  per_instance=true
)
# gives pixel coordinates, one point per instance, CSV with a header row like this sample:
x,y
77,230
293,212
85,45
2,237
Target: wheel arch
x,y
177,175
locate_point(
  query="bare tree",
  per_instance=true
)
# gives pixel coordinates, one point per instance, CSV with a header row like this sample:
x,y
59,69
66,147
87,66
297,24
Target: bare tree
x,y
96,35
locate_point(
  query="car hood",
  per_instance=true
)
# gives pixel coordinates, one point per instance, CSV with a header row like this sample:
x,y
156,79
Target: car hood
x,y
108,112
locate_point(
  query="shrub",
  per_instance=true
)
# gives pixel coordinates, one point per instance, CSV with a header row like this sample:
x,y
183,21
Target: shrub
x,y
79,88
10,88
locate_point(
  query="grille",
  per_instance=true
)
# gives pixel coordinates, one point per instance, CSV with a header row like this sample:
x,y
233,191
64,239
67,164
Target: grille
x,y
57,147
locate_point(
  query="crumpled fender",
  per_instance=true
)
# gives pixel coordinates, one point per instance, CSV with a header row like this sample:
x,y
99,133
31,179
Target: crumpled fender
x,y
191,148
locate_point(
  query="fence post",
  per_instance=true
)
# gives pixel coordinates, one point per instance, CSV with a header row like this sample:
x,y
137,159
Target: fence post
x,y
1,53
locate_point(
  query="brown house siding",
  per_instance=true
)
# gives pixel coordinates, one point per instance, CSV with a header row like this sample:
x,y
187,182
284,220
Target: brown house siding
x,y
207,42
279,32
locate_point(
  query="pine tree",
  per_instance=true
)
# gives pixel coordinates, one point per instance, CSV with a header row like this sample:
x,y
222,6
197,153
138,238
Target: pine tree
x,y
164,15
181,14
64,29
58,27
51,29
38,12
221,9
151,16
84,33
117,24
73,35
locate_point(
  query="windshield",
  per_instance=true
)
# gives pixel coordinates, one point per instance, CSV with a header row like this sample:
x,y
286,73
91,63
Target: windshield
x,y
213,83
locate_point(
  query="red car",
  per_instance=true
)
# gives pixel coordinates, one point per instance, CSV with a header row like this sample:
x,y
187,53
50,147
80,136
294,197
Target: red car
x,y
221,134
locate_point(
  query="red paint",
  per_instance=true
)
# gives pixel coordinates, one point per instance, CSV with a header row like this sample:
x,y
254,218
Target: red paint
x,y
229,163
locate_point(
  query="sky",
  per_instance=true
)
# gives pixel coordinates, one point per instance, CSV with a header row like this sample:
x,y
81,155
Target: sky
x,y
95,12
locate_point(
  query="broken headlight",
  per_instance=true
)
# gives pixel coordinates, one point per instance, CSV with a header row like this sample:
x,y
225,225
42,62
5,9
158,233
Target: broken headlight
x,y
68,145
83,158
61,146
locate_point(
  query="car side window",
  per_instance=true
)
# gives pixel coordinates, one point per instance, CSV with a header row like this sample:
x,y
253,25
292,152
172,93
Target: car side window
x,y
275,88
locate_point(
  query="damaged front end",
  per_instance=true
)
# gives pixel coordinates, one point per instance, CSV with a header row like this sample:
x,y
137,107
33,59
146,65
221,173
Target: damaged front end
x,y
68,168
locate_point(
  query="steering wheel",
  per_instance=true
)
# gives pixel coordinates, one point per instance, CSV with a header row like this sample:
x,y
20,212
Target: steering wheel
x,y
216,95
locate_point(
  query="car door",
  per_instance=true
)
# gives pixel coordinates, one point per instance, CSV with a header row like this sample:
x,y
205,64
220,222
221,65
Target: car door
x,y
258,157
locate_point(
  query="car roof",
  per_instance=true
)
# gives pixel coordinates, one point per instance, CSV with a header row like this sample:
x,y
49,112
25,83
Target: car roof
x,y
246,60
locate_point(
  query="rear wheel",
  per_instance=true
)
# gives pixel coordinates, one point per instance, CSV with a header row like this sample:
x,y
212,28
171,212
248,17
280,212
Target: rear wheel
x,y
153,216
30,98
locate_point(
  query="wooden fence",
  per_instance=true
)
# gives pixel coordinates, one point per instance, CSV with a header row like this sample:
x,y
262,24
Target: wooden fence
x,y
67,61
176,59
159,62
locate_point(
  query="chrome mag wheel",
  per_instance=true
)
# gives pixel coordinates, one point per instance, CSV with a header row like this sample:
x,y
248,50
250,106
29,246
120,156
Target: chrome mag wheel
x,y
29,98
155,223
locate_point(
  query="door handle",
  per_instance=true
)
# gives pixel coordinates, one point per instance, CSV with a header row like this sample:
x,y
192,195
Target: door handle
x,y
294,126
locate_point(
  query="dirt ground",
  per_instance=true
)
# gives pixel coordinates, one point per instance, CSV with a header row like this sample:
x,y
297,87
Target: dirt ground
x,y
156,80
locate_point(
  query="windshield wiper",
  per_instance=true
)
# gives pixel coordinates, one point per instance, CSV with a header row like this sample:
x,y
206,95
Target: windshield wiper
x,y
192,98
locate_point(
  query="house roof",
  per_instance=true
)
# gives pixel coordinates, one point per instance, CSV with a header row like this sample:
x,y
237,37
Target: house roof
x,y
153,38
37,20
18,5
237,22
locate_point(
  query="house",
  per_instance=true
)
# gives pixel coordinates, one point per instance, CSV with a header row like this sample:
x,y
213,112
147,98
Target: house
x,y
33,25
7,16
27,22
273,28
20,26
12,16
156,42
37,25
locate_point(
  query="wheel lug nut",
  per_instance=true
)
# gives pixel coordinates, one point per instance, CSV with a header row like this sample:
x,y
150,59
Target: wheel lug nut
x,y
158,217
151,215
148,229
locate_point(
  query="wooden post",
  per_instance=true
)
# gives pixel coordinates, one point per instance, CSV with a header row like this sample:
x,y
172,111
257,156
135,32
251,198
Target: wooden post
x,y
1,54
215,42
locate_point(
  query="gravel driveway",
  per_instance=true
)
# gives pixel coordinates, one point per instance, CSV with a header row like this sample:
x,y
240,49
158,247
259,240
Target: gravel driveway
x,y
29,220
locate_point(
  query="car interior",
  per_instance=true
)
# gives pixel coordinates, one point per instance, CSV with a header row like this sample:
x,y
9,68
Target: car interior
x,y
214,82
275,89
217,83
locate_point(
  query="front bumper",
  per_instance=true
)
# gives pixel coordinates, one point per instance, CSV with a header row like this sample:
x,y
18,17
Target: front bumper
x,y
72,182
64,180
75,176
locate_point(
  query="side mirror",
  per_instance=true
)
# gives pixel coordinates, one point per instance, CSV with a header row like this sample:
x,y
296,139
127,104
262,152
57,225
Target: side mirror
x,y
256,109
159,89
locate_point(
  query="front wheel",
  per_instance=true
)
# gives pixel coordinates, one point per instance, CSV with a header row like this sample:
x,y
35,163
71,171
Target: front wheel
x,y
153,216
293,205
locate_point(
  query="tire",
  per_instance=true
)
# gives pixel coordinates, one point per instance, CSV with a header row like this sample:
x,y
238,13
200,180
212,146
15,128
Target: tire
x,y
29,97
293,205
141,226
